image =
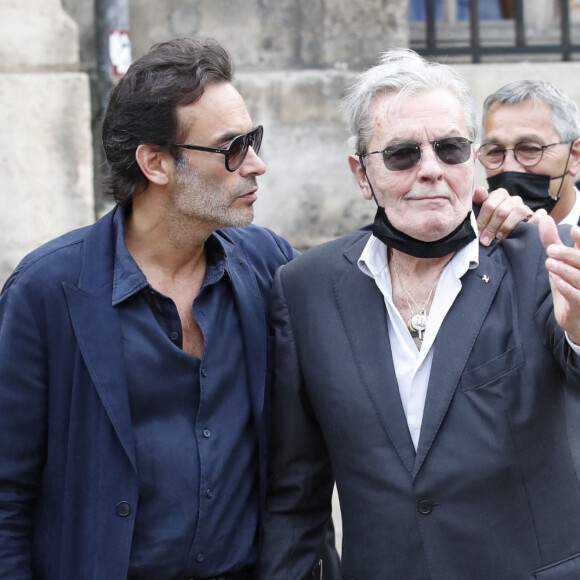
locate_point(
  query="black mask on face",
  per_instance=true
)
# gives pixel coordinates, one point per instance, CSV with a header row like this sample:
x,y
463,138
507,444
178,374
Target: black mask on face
x,y
533,188
384,230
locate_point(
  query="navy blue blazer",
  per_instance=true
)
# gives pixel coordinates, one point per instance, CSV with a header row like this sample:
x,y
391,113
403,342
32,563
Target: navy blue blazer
x,y
68,484
492,492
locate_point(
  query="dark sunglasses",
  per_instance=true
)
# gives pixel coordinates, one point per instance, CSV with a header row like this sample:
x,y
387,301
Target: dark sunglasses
x,y
450,150
237,148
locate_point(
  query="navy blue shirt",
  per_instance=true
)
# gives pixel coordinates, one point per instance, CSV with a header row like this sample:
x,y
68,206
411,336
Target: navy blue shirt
x,y
197,455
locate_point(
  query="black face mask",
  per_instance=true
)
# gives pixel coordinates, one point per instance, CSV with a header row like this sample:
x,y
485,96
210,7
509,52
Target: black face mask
x,y
384,230
533,188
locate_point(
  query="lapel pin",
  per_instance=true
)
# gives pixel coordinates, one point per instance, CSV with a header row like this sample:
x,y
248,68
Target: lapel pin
x,y
485,279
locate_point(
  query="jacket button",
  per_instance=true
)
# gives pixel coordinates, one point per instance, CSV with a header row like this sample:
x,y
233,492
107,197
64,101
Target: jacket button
x,y
424,507
123,508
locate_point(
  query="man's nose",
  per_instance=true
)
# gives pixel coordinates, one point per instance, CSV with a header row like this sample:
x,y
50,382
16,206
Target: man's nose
x,y
430,164
510,163
253,164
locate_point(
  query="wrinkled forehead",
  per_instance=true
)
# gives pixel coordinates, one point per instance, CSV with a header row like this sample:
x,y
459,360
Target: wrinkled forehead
x,y
431,111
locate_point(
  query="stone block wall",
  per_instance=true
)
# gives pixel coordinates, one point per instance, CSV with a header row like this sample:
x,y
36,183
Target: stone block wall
x,y
278,34
308,193
293,60
45,143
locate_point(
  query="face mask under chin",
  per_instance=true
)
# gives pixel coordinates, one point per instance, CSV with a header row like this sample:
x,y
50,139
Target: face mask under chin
x,y
384,230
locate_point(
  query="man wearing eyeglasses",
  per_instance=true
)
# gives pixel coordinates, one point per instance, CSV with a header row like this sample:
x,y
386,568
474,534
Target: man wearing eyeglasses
x,y
531,146
134,352
434,380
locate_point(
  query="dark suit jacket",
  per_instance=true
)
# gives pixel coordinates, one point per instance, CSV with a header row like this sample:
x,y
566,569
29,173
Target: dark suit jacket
x,y
492,491
68,484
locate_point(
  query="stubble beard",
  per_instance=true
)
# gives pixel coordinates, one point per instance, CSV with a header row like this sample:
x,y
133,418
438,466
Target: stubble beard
x,y
196,196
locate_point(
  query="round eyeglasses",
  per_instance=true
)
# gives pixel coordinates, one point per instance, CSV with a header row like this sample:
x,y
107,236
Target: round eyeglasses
x,y
237,148
526,153
403,156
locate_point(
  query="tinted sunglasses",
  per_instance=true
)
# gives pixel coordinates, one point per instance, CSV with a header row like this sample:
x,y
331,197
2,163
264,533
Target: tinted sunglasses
x,y
237,148
402,156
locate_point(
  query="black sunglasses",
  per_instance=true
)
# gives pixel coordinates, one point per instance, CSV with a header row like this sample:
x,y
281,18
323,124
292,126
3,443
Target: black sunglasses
x,y
402,156
237,148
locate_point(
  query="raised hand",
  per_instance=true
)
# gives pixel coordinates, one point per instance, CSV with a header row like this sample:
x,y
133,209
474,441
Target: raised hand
x,y
563,265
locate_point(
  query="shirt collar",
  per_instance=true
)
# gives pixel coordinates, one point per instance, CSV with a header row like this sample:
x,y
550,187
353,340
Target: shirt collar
x,y
373,259
128,278
573,218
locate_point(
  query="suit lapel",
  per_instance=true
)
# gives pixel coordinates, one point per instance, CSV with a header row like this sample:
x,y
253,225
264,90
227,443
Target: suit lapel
x,y
250,304
363,312
454,344
251,310
98,330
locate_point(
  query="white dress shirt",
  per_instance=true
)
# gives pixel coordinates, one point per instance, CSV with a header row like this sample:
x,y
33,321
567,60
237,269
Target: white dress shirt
x,y
573,217
413,366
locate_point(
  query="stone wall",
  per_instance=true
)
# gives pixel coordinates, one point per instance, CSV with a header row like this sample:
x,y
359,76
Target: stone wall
x,y
278,34
293,59
45,142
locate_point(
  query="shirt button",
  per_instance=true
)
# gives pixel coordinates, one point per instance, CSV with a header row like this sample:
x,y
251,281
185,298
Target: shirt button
x,y
174,336
123,508
424,507
206,433
200,558
209,493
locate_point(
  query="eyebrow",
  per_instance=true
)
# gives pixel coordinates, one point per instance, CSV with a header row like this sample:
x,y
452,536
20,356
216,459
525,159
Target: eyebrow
x,y
534,138
228,136
404,141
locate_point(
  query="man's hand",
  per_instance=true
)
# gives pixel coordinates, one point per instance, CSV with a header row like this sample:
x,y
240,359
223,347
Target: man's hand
x,y
563,265
500,213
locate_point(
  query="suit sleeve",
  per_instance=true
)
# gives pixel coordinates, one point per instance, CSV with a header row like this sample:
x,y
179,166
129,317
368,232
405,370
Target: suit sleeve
x,y
22,420
300,483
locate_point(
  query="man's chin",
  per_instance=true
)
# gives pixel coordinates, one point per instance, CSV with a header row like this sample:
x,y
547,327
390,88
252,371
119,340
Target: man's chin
x,y
240,220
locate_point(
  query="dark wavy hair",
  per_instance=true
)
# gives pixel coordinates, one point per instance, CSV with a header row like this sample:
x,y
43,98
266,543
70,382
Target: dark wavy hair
x,y
142,107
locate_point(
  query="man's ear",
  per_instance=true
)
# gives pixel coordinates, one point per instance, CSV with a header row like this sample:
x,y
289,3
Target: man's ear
x,y
360,175
574,166
157,165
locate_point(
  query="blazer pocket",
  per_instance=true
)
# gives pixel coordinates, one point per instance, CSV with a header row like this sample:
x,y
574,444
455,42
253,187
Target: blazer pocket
x,y
494,369
568,569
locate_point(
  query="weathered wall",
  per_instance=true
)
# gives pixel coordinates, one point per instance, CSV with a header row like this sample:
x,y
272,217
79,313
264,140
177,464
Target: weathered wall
x,y
45,141
278,34
293,60
307,192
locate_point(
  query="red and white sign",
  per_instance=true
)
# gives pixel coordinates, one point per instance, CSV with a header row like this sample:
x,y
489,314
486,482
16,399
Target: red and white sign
x,y
119,51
